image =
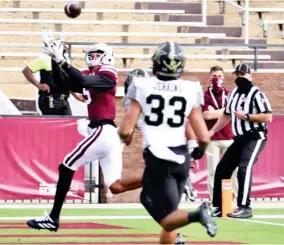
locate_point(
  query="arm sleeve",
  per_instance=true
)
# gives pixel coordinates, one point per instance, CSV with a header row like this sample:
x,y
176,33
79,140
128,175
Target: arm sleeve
x,y
132,93
41,63
125,102
62,80
135,91
96,81
199,97
108,71
262,103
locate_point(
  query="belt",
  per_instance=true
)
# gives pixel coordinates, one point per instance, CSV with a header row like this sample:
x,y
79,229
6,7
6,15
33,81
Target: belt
x,y
252,135
57,96
60,96
95,124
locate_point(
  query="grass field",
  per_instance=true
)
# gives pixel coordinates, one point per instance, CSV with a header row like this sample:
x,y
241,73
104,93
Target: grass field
x,y
134,226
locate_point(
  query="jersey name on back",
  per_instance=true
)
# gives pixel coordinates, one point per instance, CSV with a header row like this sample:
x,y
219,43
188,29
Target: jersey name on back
x,y
165,107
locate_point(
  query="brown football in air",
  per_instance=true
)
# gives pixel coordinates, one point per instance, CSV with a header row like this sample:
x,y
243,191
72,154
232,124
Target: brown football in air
x,y
72,9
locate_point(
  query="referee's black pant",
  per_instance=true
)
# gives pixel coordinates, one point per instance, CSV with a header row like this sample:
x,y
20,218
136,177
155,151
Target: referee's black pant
x,y
60,107
243,153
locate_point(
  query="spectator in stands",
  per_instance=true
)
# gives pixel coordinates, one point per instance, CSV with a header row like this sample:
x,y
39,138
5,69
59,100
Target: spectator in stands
x,y
215,98
52,100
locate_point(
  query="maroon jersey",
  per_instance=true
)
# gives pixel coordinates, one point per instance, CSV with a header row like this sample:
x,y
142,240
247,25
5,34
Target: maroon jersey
x,y
101,102
217,100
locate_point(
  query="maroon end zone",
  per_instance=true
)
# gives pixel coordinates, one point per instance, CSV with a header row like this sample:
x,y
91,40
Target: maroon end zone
x,y
89,225
79,225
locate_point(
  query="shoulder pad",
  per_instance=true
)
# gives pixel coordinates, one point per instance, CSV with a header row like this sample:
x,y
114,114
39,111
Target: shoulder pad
x,y
109,71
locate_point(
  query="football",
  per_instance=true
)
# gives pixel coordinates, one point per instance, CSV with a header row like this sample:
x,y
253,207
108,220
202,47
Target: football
x,y
72,9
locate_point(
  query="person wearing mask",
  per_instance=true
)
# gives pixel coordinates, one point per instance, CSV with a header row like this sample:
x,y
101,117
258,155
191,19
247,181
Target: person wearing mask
x,y
247,111
215,99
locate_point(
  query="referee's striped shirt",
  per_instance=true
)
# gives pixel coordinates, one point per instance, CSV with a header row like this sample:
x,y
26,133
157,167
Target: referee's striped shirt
x,y
253,103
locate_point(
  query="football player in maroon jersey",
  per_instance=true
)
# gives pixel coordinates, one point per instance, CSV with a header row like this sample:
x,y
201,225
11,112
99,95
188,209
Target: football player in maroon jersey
x,y
98,85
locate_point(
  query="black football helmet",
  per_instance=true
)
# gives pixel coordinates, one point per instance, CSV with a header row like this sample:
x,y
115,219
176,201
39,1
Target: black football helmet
x,y
131,74
168,60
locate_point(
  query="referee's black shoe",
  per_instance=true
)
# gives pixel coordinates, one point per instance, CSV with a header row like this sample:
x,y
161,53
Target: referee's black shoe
x,y
241,213
217,213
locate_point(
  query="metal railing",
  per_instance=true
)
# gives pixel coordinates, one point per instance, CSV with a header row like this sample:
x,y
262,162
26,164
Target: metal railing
x,y
244,47
246,16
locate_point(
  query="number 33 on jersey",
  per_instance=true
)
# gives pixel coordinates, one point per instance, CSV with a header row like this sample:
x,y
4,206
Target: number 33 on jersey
x,y
165,108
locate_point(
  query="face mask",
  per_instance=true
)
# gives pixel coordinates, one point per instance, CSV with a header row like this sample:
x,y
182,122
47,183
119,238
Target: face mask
x,y
217,84
244,85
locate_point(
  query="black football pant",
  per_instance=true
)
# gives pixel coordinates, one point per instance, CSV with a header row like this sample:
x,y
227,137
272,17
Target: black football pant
x,y
163,183
243,153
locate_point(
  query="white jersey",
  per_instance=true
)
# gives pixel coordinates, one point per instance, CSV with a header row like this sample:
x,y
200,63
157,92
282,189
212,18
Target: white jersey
x,y
165,108
126,104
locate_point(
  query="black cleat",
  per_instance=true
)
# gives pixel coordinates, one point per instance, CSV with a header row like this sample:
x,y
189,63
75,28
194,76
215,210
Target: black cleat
x,y
206,219
46,223
180,239
241,213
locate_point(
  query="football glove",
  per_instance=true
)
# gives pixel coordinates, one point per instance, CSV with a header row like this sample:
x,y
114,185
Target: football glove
x,y
53,48
194,150
191,144
197,153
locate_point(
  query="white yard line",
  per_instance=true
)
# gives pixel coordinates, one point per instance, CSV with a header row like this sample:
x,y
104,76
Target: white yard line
x,y
74,206
191,205
261,222
132,217
268,216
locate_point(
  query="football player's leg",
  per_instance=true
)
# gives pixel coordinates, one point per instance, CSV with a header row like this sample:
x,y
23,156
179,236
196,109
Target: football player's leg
x,y
168,234
86,151
168,237
156,202
126,184
163,184
111,166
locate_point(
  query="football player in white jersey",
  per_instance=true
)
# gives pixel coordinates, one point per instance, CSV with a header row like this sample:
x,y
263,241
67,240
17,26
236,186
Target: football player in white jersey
x,y
189,190
165,103
126,100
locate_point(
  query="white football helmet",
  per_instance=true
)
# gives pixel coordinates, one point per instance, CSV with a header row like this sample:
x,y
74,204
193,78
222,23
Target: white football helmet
x,y
99,54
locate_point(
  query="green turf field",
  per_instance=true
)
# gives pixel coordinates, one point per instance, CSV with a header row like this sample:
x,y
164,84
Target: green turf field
x,y
134,226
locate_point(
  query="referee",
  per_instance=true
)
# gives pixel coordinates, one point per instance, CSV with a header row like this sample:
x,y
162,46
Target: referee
x,y
249,111
52,100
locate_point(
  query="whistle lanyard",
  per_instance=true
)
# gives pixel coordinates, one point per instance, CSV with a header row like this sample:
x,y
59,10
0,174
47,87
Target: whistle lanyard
x,y
214,99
